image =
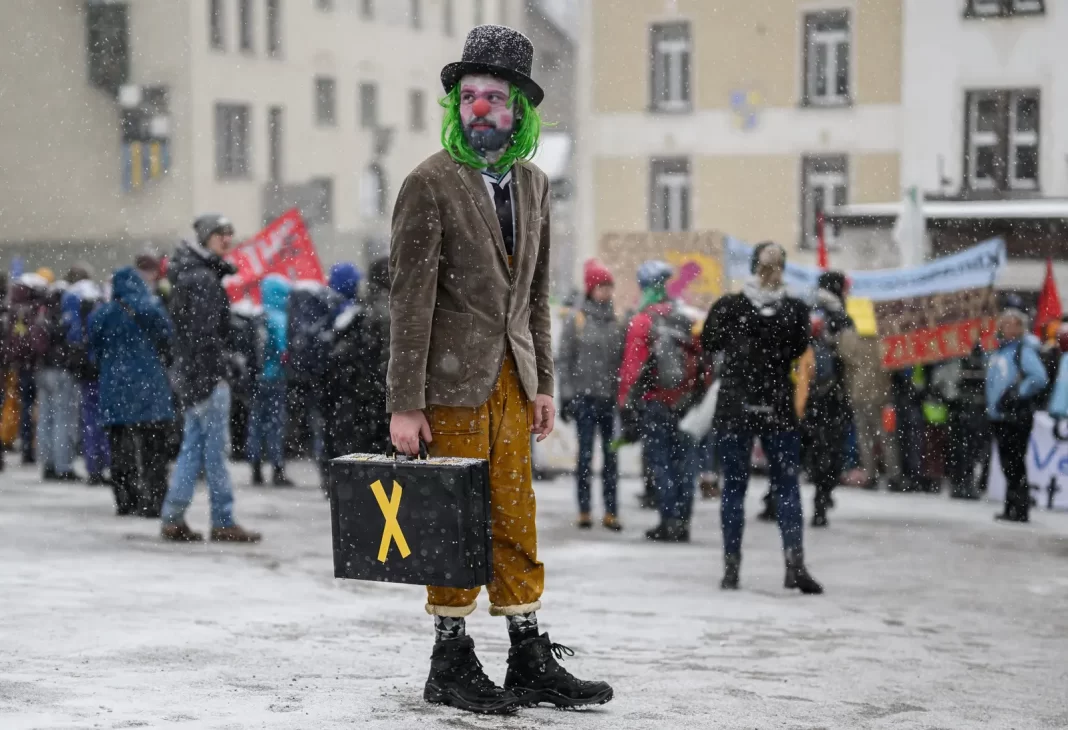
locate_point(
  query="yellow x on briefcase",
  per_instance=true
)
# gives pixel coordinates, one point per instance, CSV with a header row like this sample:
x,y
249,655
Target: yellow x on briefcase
x,y
422,521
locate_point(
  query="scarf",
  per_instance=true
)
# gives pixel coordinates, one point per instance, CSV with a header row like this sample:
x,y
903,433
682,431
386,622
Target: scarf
x,y
653,295
763,298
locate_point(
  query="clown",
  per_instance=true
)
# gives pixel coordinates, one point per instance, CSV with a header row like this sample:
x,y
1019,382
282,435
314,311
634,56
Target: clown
x,y
471,368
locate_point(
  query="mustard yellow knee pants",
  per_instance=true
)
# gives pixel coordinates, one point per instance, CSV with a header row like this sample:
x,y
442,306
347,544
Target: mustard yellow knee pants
x,y
498,431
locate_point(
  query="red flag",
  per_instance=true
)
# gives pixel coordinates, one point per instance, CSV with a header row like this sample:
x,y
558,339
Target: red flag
x,y
284,247
1049,302
822,259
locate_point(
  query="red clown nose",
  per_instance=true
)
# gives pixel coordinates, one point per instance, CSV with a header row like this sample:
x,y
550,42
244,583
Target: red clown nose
x,y
480,108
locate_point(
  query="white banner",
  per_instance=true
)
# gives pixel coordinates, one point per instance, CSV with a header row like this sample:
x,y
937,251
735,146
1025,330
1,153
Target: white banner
x,y
1047,467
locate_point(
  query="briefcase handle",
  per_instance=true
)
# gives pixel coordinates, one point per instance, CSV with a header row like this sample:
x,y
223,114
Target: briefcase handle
x,y
392,451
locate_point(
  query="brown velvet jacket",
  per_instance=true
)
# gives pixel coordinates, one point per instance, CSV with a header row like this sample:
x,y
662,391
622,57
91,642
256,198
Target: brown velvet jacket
x,y
456,308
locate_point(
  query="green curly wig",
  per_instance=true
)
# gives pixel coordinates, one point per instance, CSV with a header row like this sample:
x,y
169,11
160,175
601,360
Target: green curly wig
x,y
524,137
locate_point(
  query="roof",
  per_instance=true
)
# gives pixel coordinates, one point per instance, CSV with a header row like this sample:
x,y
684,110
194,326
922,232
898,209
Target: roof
x,y
1039,208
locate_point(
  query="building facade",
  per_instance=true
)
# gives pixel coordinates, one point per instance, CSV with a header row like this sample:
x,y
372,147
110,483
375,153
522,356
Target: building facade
x,y
747,118
130,118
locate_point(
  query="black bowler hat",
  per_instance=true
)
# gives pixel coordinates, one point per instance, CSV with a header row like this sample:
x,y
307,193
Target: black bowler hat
x,y
498,51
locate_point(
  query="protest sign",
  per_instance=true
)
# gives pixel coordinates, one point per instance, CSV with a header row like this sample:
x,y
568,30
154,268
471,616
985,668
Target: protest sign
x,y
1047,466
284,247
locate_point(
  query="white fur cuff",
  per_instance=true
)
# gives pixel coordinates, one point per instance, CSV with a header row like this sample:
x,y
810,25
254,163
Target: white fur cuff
x,y
515,610
452,611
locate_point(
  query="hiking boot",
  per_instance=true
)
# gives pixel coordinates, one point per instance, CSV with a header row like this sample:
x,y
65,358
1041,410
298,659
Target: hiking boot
x,y
66,476
234,533
1011,516
584,521
770,512
611,522
819,519
458,680
732,566
797,575
709,488
280,479
48,474
535,676
257,474
179,533
669,530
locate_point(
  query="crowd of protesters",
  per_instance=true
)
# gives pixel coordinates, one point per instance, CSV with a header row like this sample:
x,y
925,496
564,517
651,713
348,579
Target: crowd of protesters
x,y
796,377
156,380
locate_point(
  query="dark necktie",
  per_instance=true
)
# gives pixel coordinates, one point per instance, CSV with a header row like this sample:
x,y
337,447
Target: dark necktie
x,y
502,201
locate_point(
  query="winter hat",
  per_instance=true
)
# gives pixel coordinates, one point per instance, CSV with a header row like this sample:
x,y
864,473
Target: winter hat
x,y
204,226
498,51
595,274
47,274
1013,305
345,279
654,273
833,282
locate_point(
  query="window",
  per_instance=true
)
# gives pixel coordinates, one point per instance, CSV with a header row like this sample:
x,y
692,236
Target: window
x,y
416,110
325,102
415,13
367,9
827,48
1004,8
1002,146
447,22
216,23
669,204
368,106
373,192
670,70
324,4
824,185
274,142
480,12
245,19
502,12
232,144
320,209
274,28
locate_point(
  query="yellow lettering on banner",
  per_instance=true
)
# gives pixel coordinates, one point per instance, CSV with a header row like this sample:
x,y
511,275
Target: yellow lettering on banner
x,y
392,531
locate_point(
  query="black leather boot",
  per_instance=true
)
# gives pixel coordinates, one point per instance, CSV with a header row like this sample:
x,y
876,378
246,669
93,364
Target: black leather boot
x,y
535,676
732,566
797,575
257,474
457,680
770,512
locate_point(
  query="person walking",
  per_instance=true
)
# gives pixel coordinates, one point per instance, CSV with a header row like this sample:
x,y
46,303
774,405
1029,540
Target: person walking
x,y
267,420
57,391
761,331
1015,375
201,313
869,395
658,377
591,352
969,431
827,411
129,340
79,302
471,364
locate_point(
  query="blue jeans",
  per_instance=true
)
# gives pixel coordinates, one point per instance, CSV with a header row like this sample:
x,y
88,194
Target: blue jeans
x,y
207,426
669,455
57,418
267,422
592,415
784,455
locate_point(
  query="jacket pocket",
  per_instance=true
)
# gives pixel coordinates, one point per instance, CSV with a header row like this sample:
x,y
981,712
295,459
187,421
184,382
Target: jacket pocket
x,y
450,338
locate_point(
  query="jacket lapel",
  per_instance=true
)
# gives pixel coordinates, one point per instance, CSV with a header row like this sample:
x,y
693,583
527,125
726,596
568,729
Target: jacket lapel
x,y
476,187
519,211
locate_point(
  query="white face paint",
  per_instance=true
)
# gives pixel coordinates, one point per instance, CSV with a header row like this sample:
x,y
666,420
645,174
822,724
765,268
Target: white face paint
x,y
486,114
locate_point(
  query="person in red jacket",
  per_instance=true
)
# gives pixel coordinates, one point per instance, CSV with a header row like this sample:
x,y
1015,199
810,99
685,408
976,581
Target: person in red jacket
x,y
658,379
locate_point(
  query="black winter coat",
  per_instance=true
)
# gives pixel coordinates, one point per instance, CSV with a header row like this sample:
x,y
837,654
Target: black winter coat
x,y
200,309
759,348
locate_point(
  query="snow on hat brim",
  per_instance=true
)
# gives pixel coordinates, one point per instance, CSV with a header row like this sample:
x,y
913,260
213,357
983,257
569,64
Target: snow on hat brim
x,y
499,51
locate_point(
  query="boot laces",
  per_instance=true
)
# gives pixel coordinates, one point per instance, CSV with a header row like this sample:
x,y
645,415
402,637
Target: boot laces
x,y
475,675
560,651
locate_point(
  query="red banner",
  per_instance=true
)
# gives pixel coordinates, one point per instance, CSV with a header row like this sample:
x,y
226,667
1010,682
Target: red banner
x,y
934,344
284,247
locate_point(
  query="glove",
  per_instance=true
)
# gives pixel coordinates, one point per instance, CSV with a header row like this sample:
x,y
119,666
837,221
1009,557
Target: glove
x,y
630,422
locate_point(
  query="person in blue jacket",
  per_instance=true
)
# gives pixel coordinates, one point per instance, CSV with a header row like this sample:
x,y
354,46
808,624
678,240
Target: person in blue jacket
x,y
1015,376
129,340
267,421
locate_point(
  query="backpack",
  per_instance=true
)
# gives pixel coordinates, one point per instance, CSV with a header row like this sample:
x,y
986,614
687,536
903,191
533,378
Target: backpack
x,y
828,370
673,350
309,332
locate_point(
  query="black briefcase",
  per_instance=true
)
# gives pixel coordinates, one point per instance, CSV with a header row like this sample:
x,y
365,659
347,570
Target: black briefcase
x,y
422,521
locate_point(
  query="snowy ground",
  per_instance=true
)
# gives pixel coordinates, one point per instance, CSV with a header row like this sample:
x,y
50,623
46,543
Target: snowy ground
x,y
934,617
